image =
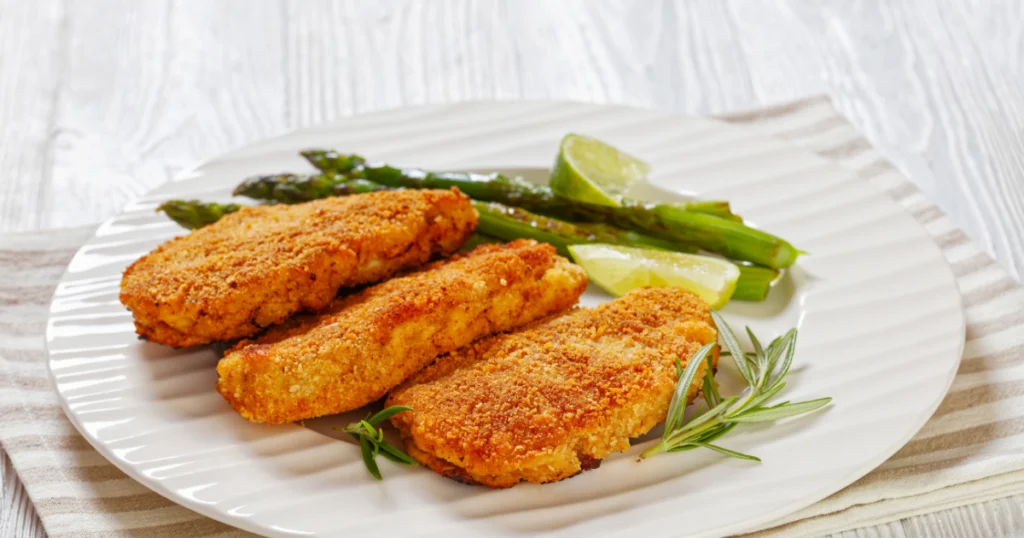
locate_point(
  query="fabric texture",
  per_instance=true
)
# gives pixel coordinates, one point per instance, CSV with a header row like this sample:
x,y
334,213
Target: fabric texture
x,y
971,450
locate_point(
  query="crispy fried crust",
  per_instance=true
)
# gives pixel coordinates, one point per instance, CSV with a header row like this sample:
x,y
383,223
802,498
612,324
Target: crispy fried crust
x,y
364,345
542,404
256,267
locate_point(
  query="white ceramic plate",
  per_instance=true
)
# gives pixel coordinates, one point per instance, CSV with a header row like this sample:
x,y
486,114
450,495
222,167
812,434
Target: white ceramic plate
x,y
881,331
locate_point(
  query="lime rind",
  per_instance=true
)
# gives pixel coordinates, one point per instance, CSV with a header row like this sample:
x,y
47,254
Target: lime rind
x,y
589,170
618,270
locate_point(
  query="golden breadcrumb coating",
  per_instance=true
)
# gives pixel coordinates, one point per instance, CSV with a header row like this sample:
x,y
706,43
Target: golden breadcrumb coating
x,y
553,399
256,267
364,345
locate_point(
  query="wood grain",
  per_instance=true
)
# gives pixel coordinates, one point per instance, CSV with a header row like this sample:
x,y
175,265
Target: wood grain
x,y
31,46
100,102
1004,517
936,90
17,517
31,55
891,530
153,90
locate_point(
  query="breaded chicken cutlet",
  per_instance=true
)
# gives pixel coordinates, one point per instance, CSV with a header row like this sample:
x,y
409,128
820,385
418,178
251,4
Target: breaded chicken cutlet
x,y
366,344
553,399
258,266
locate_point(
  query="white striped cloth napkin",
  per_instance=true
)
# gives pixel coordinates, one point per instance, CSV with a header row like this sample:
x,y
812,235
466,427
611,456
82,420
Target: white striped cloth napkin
x,y
971,450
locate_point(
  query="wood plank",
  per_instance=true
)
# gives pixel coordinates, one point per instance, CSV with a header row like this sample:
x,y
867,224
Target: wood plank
x,y
993,519
18,518
938,92
31,42
141,94
348,57
890,530
782,56
153,89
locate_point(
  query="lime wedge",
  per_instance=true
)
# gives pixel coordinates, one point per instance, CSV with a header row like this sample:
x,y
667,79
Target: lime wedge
x,y
618,270
589,170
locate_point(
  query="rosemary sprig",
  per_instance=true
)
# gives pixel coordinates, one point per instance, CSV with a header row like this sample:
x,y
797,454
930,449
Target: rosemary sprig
x,y
371,439
765,373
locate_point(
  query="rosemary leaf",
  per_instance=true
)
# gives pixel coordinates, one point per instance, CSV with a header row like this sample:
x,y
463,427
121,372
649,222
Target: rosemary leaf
x,y
724,414
682,448
760,357
779,412
716,433
372,443
774,346
371,432
776,349
701,419
710,387
727,452
677,408
761,398
368,457
392,453
787,360
734,348
387,413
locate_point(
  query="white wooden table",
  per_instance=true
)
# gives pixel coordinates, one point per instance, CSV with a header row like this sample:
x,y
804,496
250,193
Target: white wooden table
x,y
101,101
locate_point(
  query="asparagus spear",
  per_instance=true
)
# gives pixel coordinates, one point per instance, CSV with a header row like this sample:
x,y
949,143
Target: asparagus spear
x,y
492,187
496,220
292,188
730,238
283,188
754,283
332,162
498,223
194,214
504,222
717,208
508,223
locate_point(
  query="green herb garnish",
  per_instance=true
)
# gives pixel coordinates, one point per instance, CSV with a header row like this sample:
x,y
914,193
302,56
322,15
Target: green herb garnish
x,y
371,439
764,371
